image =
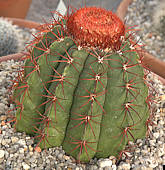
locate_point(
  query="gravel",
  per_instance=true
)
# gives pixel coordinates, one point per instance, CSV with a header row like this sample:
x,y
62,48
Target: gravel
x,y
145,15
17,149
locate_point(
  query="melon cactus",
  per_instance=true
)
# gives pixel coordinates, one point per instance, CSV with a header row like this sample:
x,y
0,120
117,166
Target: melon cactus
x,y
83,86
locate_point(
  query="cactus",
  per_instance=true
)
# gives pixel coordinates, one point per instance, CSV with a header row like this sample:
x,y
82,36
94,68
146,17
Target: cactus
x,y
83,86
9,38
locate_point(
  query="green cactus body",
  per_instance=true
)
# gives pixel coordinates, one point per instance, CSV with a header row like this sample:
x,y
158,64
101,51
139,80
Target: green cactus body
x,y
86,95
86,112
59,115
128,109
33,96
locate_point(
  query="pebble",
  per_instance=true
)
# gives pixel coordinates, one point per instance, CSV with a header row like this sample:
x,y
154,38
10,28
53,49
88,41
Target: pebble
x,y
2,106
14,139
156,135
30,148
2,154
114,167
21,150
60,156
124,166
22,142
105,163
57,152
3,142
25,166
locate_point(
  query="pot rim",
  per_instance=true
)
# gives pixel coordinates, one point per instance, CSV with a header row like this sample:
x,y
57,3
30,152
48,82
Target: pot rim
x,y
24,23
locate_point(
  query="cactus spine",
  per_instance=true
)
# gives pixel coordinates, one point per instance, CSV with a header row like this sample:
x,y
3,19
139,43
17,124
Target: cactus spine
x,y
83,86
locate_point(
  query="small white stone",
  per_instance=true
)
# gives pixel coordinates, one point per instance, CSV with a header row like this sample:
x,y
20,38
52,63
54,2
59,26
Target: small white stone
x,y
8,141
139,141
114,167
22,142
14,139
144,152
25,166
21,150
1,139
161,122
31,153
161,133
152,142
66,157
160,152
30,148
153,165
2,154
137,150
160,142
156,135
3,142
2,106
27,137
11,155
126,166
105,163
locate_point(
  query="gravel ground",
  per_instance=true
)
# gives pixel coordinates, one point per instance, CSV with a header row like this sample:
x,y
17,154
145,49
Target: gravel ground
x,y
17,149
145,15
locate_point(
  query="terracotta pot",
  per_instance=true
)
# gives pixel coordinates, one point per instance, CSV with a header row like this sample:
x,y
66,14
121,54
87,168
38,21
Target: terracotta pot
x,y
6,3
122,9
17,56
24,23
14,8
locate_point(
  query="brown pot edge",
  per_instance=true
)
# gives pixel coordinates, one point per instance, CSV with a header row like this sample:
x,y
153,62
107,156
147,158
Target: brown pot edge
x,y
15,8
123,8
24,23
